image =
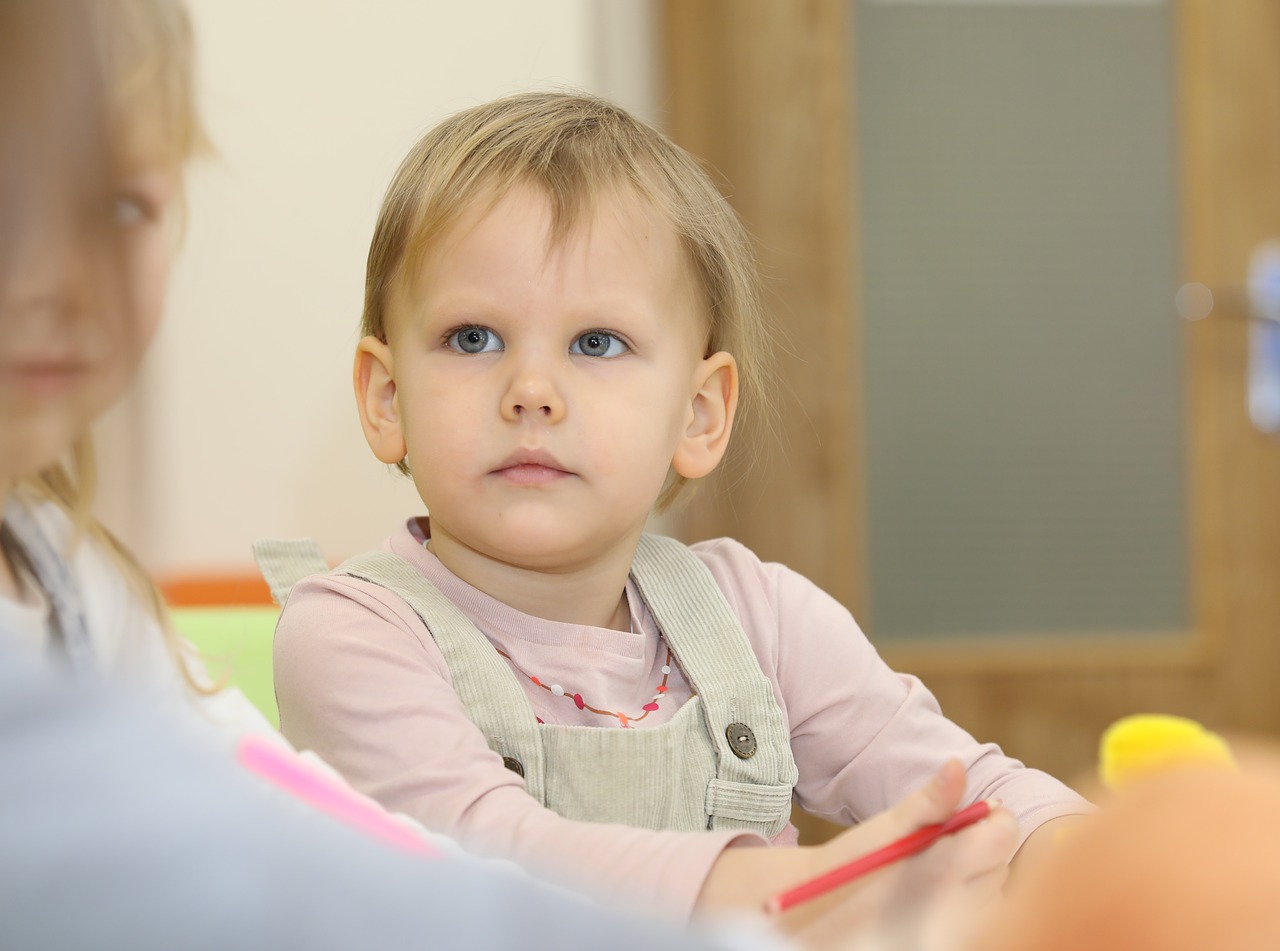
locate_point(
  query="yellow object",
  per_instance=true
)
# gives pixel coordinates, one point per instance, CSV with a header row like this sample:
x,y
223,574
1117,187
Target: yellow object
x,y
1141,745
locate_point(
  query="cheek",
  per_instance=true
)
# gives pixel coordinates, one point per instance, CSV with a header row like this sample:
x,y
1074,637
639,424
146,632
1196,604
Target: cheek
x,y
146,271
148,282
434,421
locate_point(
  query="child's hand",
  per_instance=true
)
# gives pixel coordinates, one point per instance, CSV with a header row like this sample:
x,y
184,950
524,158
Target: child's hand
x,y
979,854
932,900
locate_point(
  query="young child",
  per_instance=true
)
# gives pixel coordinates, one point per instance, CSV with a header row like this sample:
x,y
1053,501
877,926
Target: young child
x,y
561,312
103,97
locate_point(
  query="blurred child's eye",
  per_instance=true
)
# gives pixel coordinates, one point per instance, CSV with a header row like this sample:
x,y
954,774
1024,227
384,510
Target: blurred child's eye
x,y
598,343
474,340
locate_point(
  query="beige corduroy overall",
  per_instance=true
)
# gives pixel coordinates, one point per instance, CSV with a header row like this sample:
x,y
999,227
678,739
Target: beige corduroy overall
x,y
722,762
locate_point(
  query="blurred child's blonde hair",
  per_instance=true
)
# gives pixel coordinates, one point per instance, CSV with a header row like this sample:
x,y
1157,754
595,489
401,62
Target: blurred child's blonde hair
x,y
144,59
575,148
148,56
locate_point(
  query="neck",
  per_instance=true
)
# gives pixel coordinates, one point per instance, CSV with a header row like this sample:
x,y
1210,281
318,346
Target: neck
x,y
591,593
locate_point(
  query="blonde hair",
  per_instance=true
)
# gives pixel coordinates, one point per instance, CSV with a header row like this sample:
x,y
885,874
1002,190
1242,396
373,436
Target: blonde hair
x,y
142,52
148,53
574,147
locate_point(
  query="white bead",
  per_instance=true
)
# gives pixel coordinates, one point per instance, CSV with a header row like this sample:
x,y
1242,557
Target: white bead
x,y
666,669
557,690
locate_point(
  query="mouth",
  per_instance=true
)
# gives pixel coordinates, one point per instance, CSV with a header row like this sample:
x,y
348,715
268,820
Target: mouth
x,y
531,467
42,377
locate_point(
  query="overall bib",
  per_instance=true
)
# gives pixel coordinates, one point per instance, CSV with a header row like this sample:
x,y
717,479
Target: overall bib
x,y
722,762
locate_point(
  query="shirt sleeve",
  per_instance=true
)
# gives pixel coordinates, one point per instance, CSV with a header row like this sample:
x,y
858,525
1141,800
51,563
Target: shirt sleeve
x,y
360,681
863,735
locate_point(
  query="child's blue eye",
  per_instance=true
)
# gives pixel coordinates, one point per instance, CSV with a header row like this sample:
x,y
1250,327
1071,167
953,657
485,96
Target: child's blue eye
x,y
598,343
474,340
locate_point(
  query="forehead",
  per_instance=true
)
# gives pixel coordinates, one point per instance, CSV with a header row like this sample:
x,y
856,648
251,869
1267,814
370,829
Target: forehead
x,y
609,211
572,205
145,133
618,218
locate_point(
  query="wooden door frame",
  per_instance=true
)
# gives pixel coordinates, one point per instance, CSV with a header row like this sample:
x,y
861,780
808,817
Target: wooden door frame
x,y
759,91
763,92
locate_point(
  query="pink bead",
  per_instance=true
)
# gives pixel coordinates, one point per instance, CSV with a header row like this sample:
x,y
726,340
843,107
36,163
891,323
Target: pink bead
x,y
577,698
650,706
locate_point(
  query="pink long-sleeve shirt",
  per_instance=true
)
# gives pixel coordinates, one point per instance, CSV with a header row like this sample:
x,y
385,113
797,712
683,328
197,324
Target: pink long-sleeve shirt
x,y
360,681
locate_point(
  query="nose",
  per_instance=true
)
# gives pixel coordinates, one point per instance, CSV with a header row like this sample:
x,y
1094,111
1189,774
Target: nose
x,y
533,394
45,275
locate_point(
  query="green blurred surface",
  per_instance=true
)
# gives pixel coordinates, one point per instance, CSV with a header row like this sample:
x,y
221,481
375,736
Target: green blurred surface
x,y
235,643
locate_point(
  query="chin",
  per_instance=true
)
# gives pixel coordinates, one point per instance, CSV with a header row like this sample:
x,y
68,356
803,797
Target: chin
x,y
33,448
538,553
541,548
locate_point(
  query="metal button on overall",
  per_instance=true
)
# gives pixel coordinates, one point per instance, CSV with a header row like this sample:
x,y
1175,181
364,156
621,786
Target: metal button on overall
x,y
741,740
513,764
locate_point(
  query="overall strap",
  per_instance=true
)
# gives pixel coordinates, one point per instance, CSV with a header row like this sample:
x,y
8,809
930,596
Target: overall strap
x,y
286,561
24,539
755,771
483,681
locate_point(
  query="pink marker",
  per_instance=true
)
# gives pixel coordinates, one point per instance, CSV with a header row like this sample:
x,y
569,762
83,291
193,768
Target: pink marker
x,y
287,771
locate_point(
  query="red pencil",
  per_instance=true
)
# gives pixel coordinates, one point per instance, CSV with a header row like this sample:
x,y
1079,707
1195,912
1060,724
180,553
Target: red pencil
x,y
907,846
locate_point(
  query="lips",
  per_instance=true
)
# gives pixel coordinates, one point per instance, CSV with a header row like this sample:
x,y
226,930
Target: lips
x,y
531,467
41,376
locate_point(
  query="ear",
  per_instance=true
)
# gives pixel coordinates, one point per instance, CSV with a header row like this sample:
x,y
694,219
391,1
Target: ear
x,y
375,385
715,400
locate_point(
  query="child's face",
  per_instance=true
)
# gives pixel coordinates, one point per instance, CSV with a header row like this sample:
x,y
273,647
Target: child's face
x,y
76,314
543,392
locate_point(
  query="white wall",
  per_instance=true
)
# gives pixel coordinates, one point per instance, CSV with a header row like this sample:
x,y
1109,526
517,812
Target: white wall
x,y
243,424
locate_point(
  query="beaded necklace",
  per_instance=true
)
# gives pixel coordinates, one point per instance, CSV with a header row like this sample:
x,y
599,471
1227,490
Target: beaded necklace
x,y
623,719
556,690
